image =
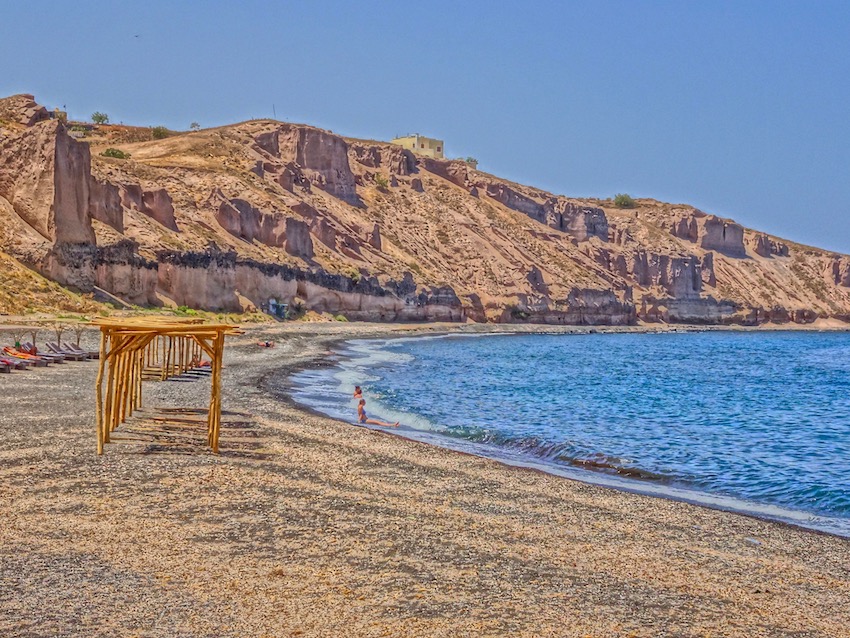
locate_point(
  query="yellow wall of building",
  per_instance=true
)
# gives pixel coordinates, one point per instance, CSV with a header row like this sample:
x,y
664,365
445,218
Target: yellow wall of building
x,y
422,145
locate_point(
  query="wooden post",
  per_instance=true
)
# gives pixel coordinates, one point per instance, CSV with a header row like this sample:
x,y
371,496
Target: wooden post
x,y
99,390
215,408
110,388
120,406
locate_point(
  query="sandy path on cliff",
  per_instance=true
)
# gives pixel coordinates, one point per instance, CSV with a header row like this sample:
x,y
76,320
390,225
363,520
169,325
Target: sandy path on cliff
x,y
305,526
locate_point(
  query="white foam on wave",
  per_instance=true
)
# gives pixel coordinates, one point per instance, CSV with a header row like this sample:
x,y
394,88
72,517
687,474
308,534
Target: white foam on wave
x,y
330,391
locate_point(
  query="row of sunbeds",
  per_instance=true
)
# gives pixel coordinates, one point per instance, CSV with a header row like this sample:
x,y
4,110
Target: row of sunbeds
x,y
26,356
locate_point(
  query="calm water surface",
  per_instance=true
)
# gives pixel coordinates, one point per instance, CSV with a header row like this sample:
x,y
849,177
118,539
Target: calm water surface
x,y
757,422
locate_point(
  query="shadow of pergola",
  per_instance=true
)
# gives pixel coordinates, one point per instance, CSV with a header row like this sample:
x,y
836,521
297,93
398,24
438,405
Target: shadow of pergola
x,y
183,431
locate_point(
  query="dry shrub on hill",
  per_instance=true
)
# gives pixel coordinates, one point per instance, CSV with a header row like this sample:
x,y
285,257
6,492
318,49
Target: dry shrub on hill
x,y
23,291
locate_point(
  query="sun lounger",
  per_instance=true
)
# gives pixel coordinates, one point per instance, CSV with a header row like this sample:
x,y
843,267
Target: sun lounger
x,y
91,354
23,356
74,356
53,358
16,364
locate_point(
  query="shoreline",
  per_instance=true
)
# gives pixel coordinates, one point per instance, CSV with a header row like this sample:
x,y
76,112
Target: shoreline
x,y
306,526
608,478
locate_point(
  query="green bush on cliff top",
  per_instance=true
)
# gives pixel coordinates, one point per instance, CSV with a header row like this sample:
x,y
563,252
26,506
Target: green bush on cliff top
x,y
117,153
622,200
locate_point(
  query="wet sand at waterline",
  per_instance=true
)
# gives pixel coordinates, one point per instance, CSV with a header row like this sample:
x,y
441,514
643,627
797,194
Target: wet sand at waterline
x,y
306,526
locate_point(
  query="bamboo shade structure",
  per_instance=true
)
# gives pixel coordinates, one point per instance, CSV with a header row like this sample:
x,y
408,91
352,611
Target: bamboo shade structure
x,y
135,349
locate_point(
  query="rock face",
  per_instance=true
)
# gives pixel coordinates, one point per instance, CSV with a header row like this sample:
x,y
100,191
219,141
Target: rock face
x,y
583,307
212,279
115,268
685,228
456,171
22,109
45,175
582,222
722,236
680,277
375,237
507,196
105,204
767,247
156,204
229,218
298,242
394,159
840,270
322,158
241,219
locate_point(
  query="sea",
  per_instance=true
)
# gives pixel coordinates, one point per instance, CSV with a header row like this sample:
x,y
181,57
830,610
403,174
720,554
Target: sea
x,y
751,422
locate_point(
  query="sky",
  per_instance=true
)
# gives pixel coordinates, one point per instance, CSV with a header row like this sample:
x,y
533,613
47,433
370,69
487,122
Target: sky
x,y
741,109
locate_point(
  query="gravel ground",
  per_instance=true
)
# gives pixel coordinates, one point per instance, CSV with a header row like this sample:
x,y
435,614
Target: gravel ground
x,y
305,526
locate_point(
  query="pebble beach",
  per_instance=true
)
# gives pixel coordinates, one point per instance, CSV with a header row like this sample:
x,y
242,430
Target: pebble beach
x,y
307,526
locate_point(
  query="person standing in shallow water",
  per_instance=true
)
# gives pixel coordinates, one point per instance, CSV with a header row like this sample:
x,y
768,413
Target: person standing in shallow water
x,y
362,418
358,393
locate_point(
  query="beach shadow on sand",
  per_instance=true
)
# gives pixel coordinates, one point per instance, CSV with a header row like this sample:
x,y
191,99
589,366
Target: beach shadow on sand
x,y
183,431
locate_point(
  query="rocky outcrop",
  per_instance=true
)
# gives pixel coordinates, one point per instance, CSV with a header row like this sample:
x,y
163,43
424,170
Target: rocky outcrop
x,y
22,109
45,175
269,142
538,284
765,246
298,242
116,268
507,196
290,177
455,171
582,222
839,270
156,204
694,311
105,204
324,231
121,271
239,218
685,228
374,239
723,236
780,314
582,307
213,279
318,156
394,159
679,276
707,270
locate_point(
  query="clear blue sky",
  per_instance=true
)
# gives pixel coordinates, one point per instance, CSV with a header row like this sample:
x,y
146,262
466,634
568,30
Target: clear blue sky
x,y
740,108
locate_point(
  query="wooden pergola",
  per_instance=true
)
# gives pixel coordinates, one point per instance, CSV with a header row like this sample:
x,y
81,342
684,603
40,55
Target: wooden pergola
x,y
137,349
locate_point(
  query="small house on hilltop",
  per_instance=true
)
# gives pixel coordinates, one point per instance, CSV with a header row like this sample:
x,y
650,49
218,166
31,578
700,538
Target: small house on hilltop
x,y
422,145
56,114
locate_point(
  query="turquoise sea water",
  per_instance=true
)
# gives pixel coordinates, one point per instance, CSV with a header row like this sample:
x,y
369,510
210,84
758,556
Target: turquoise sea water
x,y
756,422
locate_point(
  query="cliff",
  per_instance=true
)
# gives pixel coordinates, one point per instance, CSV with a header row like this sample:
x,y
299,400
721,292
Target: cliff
x,y
229,218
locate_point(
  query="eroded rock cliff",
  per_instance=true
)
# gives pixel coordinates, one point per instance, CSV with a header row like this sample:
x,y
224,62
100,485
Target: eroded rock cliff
x,y
230,218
